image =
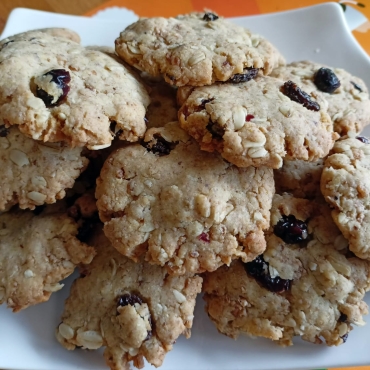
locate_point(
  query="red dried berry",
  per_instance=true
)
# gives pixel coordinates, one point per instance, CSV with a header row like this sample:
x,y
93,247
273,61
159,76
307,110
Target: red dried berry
x,y
259,270
249,117
293,92
61,78
291,230
204,237
249,74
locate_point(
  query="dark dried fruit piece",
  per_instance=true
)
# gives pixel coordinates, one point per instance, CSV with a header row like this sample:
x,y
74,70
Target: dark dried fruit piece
x,y
291,230
363,139
344,338
259,270
247,75
209,17
249,117
128,299
86,230
160,146
356,86
326,80
293,92
343,317
204,237
4,131
52,97
215,129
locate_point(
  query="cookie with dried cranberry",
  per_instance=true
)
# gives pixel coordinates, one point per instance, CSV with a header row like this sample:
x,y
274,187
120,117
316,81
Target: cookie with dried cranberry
x,y
299,178
55,90
347,95
258,123
37,251
345,183
305,284
182,208
135,310
196,49
34,173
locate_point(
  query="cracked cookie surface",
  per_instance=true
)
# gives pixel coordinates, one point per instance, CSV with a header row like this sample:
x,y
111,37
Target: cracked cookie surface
x,y
349,104
254,123
311,289
37,252
345,183
55,90
33,172
183,208
193,50
135,310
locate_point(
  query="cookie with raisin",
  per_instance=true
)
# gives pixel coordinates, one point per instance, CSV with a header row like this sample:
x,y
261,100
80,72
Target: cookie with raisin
x,y
37,251
258,123
196,49
182,208
135,310
345,183
55,90
305,284
347,95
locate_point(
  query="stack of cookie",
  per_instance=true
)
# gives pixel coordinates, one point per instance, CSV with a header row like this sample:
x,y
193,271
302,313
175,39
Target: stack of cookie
x,y
247,175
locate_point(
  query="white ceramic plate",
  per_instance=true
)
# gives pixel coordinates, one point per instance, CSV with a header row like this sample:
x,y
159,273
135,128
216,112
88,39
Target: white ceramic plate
x,y
27,339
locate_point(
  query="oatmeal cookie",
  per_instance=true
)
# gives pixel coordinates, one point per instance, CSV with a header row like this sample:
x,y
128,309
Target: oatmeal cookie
x,y
185,209
37,252
196,49
345,183
259,122
305,284
133,309
347,95
55,90
33,172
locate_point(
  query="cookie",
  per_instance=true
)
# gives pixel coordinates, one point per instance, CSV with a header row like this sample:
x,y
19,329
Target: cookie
x,y
185,209
347,95
259,122
37,252
33,172
196,49
61,32
55,90
345,183
305,284
299,178
135,310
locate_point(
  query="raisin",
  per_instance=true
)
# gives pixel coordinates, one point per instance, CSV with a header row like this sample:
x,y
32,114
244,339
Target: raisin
x,y
343,317
128,299
4,131
204,102
204,237
215,129
209,17
291,230
292,91
344,338
160,146
326,80
249,117
356,86
259,270
363,139
61,78
247,75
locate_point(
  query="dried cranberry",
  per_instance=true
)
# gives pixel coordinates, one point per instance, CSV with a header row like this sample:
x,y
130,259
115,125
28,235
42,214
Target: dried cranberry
x,y
292,91
61,78
326,80
4,131
259,270
215,129
344,338
249,117
160,146
356,86
204,237
291,230
128,299
249,74
363,139
209,17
